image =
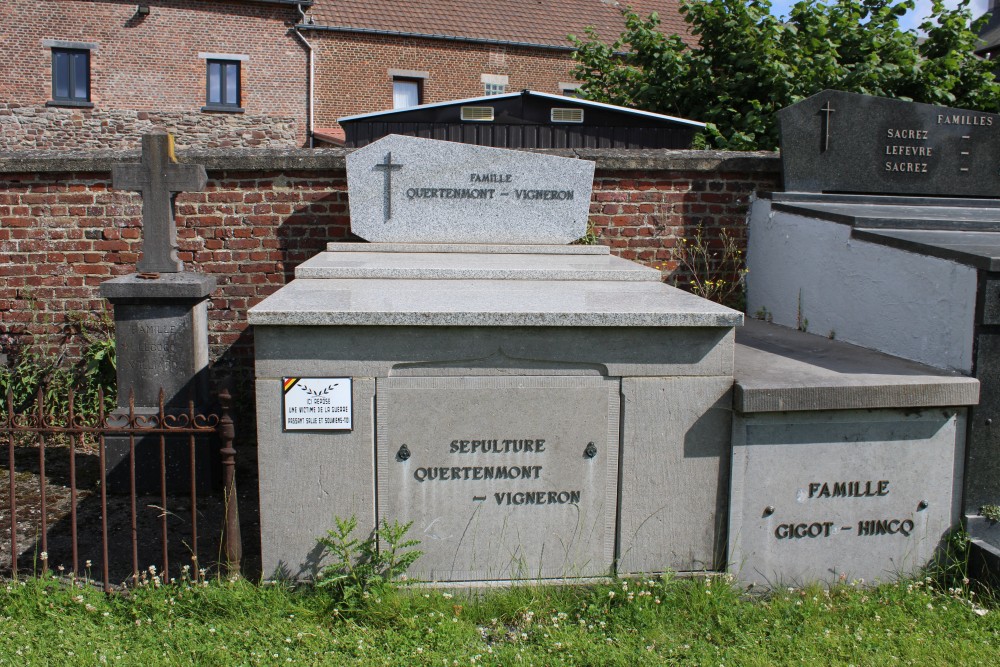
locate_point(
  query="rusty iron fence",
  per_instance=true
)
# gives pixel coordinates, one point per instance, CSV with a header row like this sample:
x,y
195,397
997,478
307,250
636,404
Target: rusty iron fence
x,y
74,515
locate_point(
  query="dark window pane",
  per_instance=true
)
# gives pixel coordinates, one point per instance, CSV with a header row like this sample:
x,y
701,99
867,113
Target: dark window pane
x,y
214,83
70,75
232,81
80,75
60,74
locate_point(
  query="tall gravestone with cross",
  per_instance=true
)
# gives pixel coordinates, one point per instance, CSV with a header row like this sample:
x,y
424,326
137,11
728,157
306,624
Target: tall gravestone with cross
x,y
161,332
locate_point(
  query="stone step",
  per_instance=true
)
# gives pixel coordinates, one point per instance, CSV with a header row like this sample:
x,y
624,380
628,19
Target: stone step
x,y
474,266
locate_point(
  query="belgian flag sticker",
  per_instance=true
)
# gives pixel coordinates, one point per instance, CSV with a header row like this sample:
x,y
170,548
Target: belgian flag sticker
x,y
289,383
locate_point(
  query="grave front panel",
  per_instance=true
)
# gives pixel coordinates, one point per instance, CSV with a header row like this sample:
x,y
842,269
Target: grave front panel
x,y
503,477
844,495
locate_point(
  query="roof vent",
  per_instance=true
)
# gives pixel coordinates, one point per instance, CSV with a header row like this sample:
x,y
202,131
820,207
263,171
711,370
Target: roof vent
x,y
477,113
567,115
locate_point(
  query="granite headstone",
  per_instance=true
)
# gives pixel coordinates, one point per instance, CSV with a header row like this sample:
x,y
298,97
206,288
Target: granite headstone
x,y
406,189
845,142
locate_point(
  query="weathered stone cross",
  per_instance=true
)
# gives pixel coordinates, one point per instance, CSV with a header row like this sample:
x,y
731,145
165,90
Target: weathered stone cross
x,y
159,178
388,167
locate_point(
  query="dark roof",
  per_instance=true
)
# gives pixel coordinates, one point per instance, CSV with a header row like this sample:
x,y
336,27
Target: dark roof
x,y
562,100
536,22
989,36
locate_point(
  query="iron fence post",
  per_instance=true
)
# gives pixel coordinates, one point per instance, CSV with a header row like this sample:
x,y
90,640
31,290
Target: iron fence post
x,y
227,433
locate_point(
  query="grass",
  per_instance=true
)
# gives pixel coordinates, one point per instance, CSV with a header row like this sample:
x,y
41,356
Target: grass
x,y
627,622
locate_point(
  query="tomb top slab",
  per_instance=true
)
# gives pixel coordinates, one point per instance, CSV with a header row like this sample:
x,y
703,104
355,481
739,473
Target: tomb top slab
x,y
898,216
780,369
845,142
471,266
179,286
471,247
406,189
980,250
388,302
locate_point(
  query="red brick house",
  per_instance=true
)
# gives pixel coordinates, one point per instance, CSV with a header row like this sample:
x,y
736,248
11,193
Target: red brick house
x,y
98,73
397,52
252,73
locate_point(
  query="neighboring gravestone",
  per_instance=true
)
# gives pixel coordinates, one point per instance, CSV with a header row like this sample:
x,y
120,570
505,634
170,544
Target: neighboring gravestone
x,y
161,330
493,372
872,245
424,191
847,463
845,142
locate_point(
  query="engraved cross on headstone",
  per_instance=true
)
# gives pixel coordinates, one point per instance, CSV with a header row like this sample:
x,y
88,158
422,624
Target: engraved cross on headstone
x,y
159,178
826,110
388,167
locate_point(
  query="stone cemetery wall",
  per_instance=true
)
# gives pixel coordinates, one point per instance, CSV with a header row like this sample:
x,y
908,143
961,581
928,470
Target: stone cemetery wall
x,y
63,230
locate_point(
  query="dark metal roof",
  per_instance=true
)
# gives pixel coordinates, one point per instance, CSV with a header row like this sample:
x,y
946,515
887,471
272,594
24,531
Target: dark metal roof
x,y
563,100
527,120
989,36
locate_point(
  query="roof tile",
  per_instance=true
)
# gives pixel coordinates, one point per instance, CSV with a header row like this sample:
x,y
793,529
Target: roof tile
x,y
545,22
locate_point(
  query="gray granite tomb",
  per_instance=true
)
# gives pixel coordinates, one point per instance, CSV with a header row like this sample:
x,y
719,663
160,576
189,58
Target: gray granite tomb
x,y
537,409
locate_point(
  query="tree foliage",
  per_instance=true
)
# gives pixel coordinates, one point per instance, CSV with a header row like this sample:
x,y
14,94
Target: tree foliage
x,y
748,64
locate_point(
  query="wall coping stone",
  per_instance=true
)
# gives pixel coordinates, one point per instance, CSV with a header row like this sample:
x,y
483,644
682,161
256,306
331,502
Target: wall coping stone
x,y
333,159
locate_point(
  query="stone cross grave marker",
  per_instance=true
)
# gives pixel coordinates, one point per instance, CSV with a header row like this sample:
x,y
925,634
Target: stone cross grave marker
x,y
159,178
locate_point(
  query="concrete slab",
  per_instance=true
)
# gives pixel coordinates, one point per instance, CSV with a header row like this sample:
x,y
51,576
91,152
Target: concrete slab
x,y
473,266
674,473
308,478
373,302
977,249
898,216
843,495
525,249
503,477
781,369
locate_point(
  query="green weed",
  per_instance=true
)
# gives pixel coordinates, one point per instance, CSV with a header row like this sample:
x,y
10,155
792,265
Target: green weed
x,y
365,568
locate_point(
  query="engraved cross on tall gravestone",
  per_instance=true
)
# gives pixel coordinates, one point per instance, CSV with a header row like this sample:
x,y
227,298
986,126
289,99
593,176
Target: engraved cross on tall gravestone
x,y
159,178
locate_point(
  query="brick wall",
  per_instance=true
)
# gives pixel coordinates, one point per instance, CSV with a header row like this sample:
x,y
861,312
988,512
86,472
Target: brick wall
x,y
147,71
63,230
360,63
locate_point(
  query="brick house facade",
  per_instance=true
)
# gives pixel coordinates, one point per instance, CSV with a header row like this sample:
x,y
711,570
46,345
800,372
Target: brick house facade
x,y
451,51
98,74
298,64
